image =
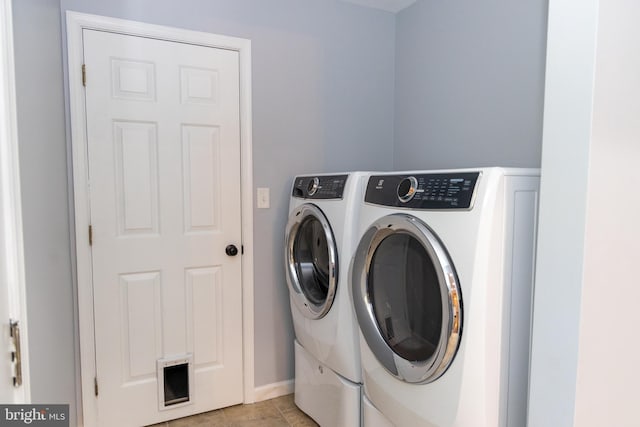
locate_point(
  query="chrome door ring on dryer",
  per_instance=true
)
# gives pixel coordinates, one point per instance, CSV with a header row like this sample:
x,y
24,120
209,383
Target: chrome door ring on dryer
x,y
414,328
312,260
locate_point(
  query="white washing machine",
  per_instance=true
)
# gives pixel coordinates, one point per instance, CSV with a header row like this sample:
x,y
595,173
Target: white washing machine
x,y
319,244
442,289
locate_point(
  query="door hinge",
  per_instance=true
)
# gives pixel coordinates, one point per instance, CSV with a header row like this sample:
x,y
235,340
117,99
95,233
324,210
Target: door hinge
x,y
84,75
95,386
16,354
90,235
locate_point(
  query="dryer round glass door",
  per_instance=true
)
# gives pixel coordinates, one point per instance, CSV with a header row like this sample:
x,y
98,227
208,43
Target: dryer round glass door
x,y
311,260
407,298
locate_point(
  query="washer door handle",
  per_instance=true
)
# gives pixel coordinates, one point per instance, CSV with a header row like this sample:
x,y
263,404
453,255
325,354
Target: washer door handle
x,y
231,250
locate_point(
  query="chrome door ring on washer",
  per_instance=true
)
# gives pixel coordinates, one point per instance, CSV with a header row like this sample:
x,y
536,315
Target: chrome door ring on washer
x,y
311,261
396,331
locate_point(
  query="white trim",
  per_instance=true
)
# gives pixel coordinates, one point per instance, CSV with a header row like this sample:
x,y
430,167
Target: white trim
x,y
76,22
271,391
10,202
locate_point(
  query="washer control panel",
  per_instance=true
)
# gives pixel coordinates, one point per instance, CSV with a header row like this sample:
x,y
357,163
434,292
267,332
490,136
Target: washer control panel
x,y
319,187
423,191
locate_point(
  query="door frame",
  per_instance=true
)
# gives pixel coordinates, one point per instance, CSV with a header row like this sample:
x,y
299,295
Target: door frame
x,y
12,273
76,23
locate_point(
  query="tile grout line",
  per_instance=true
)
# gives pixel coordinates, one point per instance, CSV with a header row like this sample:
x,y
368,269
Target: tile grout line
x,y
280,412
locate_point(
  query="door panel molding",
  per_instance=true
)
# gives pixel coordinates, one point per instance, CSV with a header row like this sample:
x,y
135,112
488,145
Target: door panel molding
x,y
76,23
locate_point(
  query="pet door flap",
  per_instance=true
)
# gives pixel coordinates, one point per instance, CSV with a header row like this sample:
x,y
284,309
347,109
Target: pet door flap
x,y
175,381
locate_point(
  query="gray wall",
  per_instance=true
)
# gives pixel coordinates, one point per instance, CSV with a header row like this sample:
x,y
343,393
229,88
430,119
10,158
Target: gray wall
x,y
469,84
322,101
43,170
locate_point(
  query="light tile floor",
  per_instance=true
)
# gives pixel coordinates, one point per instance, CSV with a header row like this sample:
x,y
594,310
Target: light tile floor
x,y
278,412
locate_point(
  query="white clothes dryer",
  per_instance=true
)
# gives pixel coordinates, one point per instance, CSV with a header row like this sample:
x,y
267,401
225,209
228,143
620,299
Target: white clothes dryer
x,y
442,289
319,244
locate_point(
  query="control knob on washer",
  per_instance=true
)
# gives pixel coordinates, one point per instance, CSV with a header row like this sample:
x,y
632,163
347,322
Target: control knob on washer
x,y
313,186
407,189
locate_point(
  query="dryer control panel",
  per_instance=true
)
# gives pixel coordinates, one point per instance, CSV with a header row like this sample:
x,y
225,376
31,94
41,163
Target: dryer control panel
x,y
423,191
319,187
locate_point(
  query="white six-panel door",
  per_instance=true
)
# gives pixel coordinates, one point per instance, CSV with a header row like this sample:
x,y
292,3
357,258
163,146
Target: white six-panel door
x,y
163,133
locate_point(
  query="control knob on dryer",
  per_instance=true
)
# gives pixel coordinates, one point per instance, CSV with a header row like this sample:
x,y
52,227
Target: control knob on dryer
x,y
407,189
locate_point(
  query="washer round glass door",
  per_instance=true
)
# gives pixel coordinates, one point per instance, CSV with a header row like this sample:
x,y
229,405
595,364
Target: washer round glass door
x,y
312,261
407,298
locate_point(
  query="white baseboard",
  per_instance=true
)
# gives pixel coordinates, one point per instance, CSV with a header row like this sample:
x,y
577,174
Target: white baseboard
x,y
273,390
